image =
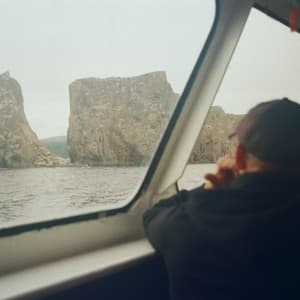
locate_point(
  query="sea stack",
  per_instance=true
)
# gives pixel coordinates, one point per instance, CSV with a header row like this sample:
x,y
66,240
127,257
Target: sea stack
x,y
118,121
19,146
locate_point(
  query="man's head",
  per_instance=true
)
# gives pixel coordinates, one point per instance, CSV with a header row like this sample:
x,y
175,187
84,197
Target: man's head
x,y
269,137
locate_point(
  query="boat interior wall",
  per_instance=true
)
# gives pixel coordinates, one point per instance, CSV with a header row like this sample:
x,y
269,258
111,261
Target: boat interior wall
x,y
277,9
29,249
146,280
55,277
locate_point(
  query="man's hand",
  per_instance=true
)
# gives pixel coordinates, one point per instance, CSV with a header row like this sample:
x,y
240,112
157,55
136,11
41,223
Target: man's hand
x,y
225,174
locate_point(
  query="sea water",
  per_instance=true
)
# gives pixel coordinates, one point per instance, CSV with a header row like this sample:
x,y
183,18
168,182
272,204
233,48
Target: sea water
x,y
34,194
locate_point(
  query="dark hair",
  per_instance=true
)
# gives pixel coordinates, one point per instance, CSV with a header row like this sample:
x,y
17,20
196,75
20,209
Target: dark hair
x,y
270,131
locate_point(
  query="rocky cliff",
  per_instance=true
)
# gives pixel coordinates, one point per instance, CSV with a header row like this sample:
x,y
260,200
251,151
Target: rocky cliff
x,y
118,121
19,146
213,141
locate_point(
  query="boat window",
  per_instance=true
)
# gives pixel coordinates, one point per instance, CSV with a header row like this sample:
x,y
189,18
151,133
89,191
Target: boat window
x,y
265,66
86,90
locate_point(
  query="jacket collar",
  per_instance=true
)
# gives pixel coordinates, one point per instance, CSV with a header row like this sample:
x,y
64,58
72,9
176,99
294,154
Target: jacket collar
x,y
266,181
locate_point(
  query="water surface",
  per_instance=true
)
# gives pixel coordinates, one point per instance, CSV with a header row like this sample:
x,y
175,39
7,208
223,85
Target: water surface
x,y
28,195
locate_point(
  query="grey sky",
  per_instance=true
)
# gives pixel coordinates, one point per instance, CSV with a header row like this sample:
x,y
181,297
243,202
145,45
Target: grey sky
x,y
46,44
265,66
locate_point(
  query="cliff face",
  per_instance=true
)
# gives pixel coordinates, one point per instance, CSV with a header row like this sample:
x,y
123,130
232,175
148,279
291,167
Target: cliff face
x,y
19,145
113,121
213,141
118,121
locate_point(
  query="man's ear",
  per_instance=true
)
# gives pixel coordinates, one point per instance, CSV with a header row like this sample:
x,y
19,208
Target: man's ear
x,y
240,157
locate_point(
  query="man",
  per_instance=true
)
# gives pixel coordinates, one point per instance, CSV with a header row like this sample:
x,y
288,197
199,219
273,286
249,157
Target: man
x,y
238,236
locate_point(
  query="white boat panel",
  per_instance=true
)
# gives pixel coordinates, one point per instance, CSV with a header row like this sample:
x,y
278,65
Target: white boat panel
x,y
48,278
35,247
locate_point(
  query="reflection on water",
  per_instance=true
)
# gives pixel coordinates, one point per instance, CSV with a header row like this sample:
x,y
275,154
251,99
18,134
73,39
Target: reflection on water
x,y
28,195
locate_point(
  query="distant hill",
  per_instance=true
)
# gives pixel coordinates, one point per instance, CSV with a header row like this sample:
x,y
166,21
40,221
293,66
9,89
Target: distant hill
x,y
56,145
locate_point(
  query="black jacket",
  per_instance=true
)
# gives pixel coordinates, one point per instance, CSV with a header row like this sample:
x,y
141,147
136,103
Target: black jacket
x,y
239,242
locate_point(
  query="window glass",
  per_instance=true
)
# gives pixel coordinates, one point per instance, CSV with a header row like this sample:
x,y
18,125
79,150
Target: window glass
x,y
265,66
86,90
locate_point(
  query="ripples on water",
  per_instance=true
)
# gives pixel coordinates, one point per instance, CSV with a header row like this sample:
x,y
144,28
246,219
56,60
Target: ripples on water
x,y
28,195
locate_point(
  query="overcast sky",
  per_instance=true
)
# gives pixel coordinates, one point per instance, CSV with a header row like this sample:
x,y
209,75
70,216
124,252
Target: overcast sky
x,y
46,44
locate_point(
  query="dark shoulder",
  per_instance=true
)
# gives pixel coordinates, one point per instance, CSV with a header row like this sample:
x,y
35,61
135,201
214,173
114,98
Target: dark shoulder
x,y
215,201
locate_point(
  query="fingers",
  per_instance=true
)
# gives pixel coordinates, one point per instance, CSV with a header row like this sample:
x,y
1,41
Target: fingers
x,y
226,163
225,174
222,178
212,181
213,178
